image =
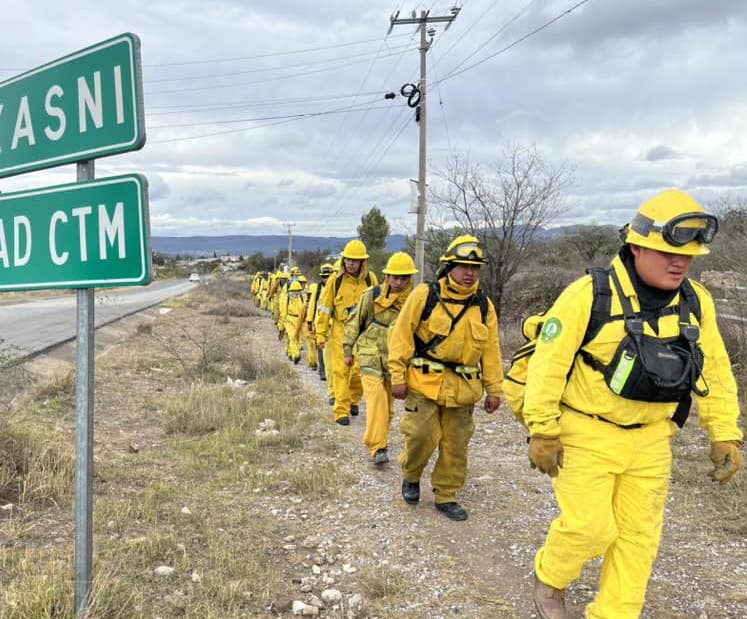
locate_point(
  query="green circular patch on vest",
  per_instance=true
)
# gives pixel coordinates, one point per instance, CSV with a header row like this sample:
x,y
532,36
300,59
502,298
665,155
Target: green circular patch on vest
x,y
551,329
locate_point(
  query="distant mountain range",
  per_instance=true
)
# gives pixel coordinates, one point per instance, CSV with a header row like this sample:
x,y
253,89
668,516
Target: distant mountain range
x,y
245,245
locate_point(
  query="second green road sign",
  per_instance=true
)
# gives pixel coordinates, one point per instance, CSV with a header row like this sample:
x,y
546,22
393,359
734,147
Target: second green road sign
x,y
86,105
82,235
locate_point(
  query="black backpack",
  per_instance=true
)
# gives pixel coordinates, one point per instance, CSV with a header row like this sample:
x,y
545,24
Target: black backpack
x,y
601,314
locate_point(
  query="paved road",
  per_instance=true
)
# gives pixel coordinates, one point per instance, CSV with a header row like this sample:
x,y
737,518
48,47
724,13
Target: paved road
x,y
37,325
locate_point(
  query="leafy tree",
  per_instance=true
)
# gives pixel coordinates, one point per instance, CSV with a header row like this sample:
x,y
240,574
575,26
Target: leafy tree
x,y
505,208
374,230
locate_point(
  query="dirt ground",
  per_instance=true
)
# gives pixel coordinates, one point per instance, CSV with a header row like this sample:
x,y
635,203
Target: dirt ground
x,y
423,564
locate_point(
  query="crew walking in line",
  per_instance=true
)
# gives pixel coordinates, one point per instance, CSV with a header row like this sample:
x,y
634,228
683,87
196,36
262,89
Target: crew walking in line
x,y
366,331
601,413
443,352
339,298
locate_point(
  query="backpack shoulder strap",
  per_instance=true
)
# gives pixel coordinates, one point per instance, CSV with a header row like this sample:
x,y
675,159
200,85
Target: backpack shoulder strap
x,y
688,294
338,281
368,280
431,300
601,307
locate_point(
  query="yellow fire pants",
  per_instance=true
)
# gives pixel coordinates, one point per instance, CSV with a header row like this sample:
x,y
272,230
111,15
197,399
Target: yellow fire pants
x,y
329,372
426,426
311,351
347,380
611,491
379,411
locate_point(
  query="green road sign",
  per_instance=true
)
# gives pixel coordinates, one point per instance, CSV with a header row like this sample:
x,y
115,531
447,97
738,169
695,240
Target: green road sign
x,y
88,104
81,235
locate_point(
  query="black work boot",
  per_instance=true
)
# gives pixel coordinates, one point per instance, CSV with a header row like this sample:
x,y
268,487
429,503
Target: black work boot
x,y
354,410
343,421
381,456
452,510
411,491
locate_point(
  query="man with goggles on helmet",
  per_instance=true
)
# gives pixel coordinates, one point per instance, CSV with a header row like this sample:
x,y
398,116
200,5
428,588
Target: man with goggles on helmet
x,y
443,354
601,411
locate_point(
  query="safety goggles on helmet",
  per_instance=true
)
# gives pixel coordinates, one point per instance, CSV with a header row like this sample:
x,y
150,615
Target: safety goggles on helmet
x,y
466,251
679,230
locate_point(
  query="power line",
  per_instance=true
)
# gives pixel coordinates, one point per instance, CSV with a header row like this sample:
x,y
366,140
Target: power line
x,y
258,56
277,122
264,69
263,81
354,107
516,42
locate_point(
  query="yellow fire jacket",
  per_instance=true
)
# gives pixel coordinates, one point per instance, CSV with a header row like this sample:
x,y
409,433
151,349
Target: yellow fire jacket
x,y
471,344
367,327
548,393
339,300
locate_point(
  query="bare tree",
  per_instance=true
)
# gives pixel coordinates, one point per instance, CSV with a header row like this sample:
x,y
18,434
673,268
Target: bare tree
x,y
505,208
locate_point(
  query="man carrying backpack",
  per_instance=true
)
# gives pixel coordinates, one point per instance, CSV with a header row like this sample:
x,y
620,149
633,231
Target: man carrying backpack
x,y
601,411
443,353
339,298
366,329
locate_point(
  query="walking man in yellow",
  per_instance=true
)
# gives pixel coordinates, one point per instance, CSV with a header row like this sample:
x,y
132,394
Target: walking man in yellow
x,y
339,299
366,329
443,352
291,321
601,411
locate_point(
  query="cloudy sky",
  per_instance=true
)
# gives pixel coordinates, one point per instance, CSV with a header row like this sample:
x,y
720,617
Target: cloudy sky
x,y
262,114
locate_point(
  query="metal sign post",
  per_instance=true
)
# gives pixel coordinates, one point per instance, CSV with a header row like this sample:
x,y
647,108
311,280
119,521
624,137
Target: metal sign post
x,y
84,399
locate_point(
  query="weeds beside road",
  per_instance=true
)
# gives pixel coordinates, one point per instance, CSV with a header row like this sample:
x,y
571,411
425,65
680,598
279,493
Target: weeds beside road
x,y
206,510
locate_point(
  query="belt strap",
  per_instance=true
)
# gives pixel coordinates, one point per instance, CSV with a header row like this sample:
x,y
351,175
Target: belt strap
x,y
632,426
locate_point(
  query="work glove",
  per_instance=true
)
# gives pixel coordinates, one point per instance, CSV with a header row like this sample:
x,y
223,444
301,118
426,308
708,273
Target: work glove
x,y
546,454
280,335
492,402
726,459
399,392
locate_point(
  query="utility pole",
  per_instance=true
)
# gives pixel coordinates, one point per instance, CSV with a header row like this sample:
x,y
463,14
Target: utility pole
x,y
290,246
426,38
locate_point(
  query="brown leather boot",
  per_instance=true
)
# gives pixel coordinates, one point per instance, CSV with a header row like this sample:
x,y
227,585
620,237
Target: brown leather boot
x,y
550,602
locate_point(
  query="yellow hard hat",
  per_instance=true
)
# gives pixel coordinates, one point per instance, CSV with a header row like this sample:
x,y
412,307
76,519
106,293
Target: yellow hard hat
x,y
326,269
302,279
294,270
464,249
672,222
282,274
296,286
355,250
400,263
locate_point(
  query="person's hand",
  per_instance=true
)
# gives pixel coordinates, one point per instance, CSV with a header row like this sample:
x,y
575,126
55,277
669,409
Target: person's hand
x,y
727,460
348,361
399,392
546,454
492,402
320,342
